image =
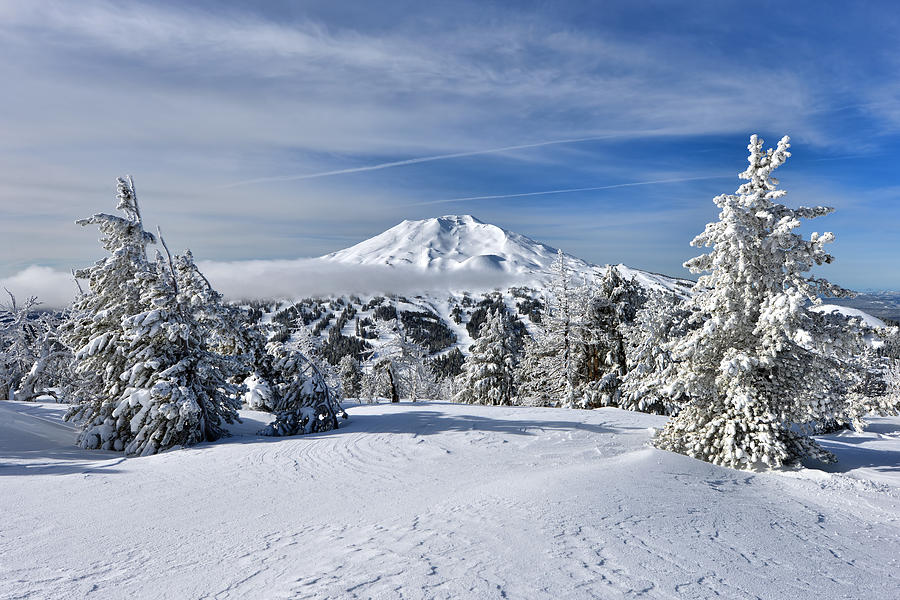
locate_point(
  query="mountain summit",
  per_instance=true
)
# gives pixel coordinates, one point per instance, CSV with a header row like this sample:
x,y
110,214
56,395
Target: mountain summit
x,y
454,243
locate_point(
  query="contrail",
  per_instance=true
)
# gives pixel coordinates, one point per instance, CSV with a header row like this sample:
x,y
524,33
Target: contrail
x,y
413,161
566,191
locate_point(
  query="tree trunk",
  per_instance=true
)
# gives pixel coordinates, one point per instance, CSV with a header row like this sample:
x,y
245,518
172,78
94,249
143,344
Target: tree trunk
x,y
395,397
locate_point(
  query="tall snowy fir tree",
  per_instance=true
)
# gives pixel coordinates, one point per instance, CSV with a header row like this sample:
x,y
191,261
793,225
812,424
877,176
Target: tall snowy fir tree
x,y
762,369
488,375
157,350
94,328
547,373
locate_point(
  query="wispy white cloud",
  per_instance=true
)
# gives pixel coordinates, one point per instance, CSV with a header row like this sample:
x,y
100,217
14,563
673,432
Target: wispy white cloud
x,y
570,190
415,161
306,85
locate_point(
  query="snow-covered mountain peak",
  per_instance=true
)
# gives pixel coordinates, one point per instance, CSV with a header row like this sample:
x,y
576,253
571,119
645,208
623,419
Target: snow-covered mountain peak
x,y
467,253
452,243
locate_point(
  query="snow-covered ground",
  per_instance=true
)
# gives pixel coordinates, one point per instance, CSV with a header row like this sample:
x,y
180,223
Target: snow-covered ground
x,y
436,500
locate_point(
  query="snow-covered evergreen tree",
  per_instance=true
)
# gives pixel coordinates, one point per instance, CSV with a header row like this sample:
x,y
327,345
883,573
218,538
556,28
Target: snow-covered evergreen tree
x,y
17,338
548,371
488,375
303,401
625,294
762,369
351,376
94,328
178,388
599,349
535,386
401,365
876,386
608,309
32,359
157,351
384,379
259,395
645,387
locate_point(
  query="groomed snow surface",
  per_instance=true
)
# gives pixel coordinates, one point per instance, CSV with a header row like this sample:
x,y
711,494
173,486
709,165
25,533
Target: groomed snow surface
x,y
434,500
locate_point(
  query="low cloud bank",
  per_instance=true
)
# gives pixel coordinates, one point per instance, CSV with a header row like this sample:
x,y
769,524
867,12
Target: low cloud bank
x,y
269,279
247,280
53,289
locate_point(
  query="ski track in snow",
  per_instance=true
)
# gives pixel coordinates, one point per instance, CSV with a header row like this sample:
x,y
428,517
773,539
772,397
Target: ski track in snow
x,y
436,500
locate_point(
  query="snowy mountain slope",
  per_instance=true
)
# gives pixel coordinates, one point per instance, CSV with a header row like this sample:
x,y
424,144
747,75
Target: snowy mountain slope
x,y
851,313
883,305
444,501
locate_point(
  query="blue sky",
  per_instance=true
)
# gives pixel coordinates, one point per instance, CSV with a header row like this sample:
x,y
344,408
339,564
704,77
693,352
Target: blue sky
x,y
233,117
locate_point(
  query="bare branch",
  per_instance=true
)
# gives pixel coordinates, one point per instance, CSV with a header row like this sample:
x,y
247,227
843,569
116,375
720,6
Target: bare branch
x,y
169,256
77,283
12,298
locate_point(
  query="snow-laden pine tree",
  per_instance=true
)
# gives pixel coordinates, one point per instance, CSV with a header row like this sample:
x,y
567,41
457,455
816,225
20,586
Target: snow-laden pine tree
x,y
17,341
351,376
534,385
599,344
876,386
259,394
762,369
624,293
302,400
415,378
178,387
605,310
488,375
549,370
645,387
32,360
93,330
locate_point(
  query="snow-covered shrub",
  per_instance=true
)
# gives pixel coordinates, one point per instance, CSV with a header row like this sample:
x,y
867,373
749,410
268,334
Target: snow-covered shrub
x,y
32,359
259,394
760,369
302,400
